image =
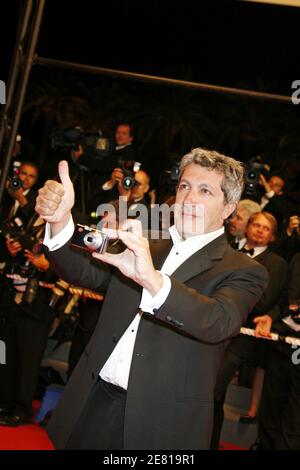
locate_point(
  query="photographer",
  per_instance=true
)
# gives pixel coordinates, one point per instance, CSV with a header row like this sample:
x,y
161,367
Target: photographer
x,y
279,423
20,202
287,243
274,199
102,189
26,319
123,150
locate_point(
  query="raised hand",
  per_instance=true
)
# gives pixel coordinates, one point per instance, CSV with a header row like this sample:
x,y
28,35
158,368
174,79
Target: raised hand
x,y
55,200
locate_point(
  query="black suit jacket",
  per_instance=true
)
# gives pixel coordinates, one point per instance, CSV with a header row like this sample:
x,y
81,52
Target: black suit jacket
x,y
276,291
25,213
177,352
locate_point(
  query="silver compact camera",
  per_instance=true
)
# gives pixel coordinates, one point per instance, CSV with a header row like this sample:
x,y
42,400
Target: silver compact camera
x,y
89,239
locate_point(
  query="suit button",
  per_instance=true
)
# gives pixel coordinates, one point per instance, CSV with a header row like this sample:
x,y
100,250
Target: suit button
x,y
114,339
93,375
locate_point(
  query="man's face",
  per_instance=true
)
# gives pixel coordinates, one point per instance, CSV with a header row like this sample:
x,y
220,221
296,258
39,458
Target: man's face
x,y
200,206
238,223
260,231
141,187
28,175
123,136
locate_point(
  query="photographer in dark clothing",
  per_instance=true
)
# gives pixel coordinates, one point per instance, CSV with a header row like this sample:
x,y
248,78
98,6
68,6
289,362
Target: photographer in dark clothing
x,y
18,205
25,322
20,202
279,420
102,186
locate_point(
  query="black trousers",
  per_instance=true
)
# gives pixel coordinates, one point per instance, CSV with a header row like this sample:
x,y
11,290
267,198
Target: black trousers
x,y
101,424
279,423
242,349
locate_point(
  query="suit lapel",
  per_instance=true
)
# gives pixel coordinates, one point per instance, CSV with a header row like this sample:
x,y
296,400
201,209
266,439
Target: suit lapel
x,y
197,263
201,260
159,251
261,256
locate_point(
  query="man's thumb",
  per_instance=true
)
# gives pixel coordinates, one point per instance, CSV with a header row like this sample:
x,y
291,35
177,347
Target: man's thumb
x,y
63,171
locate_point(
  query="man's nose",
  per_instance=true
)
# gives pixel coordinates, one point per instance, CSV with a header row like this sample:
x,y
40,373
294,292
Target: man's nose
x,y
191,197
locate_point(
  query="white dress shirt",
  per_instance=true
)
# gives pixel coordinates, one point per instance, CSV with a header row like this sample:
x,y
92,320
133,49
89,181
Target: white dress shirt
x,y
117,367
257,250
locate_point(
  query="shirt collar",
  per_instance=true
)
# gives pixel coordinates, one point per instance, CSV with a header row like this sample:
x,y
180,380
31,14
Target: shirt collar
x,y
200,240
257,250
119,147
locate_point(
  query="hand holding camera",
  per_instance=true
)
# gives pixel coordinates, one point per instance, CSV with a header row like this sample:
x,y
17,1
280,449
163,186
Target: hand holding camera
x,y
13,246
37,259
136,261
55,200
293,226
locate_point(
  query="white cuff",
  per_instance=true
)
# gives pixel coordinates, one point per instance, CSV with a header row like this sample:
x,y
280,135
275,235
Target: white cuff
x,y
149,303
107,186
270,194
61,238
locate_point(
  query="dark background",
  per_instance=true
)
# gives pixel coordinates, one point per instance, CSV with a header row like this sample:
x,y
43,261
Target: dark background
x,y
220,40
232,43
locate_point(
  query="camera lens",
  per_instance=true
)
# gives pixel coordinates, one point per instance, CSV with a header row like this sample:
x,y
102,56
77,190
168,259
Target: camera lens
x,y
93,241
128,182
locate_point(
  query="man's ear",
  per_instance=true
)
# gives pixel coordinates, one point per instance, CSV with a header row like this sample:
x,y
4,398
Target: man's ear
x,y
229,209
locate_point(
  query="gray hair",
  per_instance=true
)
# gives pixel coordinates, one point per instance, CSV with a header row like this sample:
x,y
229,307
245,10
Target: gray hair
x,y
233,181
250,206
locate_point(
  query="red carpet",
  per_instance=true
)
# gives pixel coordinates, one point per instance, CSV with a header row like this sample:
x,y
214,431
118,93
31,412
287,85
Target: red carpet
x,y
28,437
227,446
34,437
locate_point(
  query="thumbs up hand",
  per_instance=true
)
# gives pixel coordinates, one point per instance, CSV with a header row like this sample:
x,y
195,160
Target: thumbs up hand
x,y
55,200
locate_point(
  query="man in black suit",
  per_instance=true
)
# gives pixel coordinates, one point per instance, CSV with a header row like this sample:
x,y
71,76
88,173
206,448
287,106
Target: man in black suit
x,y
279,420
21,202
260,232
146,379
102,184
18,204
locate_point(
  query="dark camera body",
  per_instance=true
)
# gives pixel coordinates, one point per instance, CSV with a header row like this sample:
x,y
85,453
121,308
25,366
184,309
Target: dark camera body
x,y
129,169
253,170
294,311
13,177
15,229
89,239
14,183
92,141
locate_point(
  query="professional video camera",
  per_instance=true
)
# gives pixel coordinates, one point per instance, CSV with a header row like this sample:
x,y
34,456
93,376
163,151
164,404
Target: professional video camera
x,y
14,228
13,177
91,141
294,311
253,169
129,168
172,176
